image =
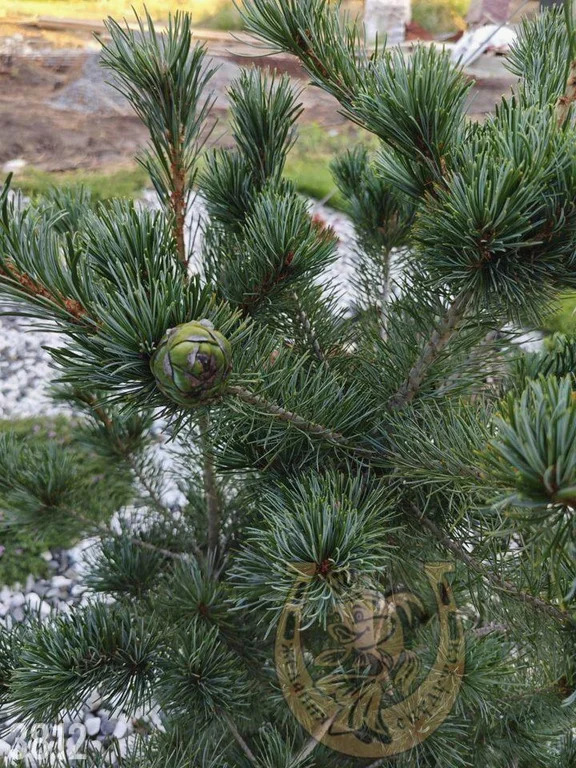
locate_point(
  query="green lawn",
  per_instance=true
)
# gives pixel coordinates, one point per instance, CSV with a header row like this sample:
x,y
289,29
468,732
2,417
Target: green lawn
x,y
564,318
109,487
201,10
307,166
117,182
309,161
440,16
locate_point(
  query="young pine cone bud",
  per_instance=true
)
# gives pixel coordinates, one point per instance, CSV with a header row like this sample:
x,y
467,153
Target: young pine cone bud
x,y
192,363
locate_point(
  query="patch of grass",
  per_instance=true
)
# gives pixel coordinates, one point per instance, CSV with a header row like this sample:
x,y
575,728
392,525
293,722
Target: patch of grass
x,y
23,555
110,488
563,319
22,548
308,164
440,16
104,185
226,19
312,178
100,9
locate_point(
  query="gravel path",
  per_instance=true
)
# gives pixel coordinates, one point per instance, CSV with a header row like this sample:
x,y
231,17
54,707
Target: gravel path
x,y
25,370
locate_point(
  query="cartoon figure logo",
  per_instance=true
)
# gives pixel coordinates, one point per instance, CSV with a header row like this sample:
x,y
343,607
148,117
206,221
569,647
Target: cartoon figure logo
x,y
360,696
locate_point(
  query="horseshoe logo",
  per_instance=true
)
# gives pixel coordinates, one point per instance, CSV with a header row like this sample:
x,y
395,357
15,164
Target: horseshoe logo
x,y
359,698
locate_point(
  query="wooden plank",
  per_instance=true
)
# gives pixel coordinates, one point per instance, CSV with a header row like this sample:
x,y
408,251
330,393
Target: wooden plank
x,y
56,23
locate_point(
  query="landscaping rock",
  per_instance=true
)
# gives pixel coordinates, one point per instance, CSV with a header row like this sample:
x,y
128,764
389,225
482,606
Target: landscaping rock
x,y
108,726
121,728
94,701
92,725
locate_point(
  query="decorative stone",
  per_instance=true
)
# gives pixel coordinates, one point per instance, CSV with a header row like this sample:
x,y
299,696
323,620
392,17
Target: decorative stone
x,y
121,728
61,582
93,725
94,701
33,601
65,723
11,737
108,726
40,587
17,600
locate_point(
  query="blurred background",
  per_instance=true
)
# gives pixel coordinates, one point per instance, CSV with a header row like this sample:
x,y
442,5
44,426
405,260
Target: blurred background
x,y
62,123
58,115
436,16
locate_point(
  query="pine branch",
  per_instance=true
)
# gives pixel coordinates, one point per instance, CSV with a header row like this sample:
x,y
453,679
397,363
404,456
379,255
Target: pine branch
x,y
178,199
438,341
63,660
385,293
310,427
35,290
277,246
163,77
153,494
239,740
314,740
210,485
330,48
474,357
308,330
103,530
501,584
39,267
568,97
488,629
100,413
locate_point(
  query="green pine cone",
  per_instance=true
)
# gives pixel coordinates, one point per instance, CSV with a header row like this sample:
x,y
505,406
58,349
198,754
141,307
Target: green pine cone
x,y
192,363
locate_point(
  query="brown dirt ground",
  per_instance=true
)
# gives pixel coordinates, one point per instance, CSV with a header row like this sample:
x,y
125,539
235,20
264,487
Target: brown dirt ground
x,y
60,139
54,139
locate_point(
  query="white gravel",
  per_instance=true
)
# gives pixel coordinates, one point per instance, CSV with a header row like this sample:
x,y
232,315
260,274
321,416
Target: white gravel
x,y
25,370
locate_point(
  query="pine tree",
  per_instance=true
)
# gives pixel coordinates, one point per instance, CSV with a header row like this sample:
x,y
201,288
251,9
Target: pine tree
x,y
329,447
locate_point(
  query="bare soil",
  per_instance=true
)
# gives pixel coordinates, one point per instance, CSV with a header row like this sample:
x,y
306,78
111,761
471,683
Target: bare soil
x,y
58,114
